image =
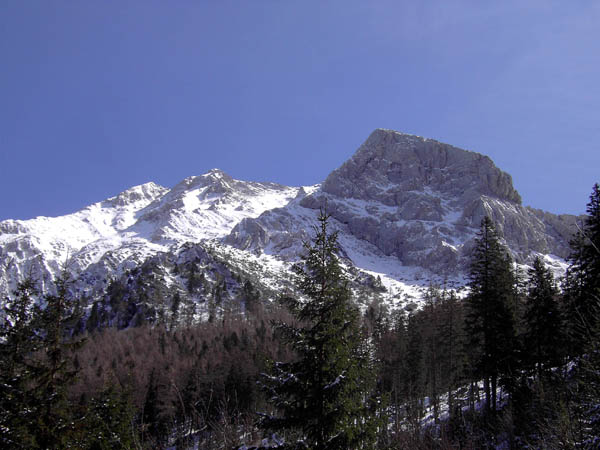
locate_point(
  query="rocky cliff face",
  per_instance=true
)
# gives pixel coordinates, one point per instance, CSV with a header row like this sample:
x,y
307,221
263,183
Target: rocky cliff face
x,y
416,200
392,168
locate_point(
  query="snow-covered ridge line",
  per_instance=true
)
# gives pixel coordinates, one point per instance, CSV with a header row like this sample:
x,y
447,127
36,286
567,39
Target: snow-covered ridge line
x,y
134,224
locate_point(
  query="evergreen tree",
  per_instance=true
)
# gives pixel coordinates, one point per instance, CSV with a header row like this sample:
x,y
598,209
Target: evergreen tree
x,y
325,394
433,346
37,369
53,370
582,291
543,335
490,321
155,426
414,369
17,342
452,348
109,422
443,355
251,297
583,279
194,278
175,306
393,357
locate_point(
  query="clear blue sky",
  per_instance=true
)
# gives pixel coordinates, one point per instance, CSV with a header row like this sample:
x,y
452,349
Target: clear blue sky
x,y
98,96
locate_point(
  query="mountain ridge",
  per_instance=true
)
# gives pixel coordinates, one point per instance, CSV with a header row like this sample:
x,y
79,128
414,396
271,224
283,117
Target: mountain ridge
x,y
407,209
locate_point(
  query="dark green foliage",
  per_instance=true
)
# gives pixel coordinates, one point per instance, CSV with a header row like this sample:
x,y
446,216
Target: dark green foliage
x,y
251,297
175,306
414,369
325,394
490,320
586,377
195,279
96,318
110,421
17,342
582,292
583,279
543,337
53,371
38,369
155,423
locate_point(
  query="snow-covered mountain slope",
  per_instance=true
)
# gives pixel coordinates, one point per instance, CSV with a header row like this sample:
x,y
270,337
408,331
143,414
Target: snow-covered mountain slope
x,y
407,210
132,226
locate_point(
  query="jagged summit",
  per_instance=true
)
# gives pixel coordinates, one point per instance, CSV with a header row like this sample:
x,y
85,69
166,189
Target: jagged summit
x,y
390,164
216,173
146,192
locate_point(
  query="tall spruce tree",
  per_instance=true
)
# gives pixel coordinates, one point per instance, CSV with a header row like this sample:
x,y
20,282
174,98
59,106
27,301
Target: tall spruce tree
x,y
583,279
325,395
490,320
53,370
543,337
18,341
582,292
37,367
452,349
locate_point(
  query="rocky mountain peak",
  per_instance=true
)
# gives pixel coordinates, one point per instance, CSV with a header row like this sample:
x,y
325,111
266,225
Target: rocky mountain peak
x,y
214,177
389,164
417,201
216,174
145,193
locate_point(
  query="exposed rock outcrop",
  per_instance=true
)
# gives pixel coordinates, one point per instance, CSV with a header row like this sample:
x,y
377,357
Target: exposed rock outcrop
x,y
391,167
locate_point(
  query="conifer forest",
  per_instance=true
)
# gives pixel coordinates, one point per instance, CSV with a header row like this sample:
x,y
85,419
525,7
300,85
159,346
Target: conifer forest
x,y
512,362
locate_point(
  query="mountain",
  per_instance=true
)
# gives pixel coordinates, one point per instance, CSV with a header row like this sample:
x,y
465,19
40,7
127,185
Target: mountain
x,y
417,201
407,210
123,231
